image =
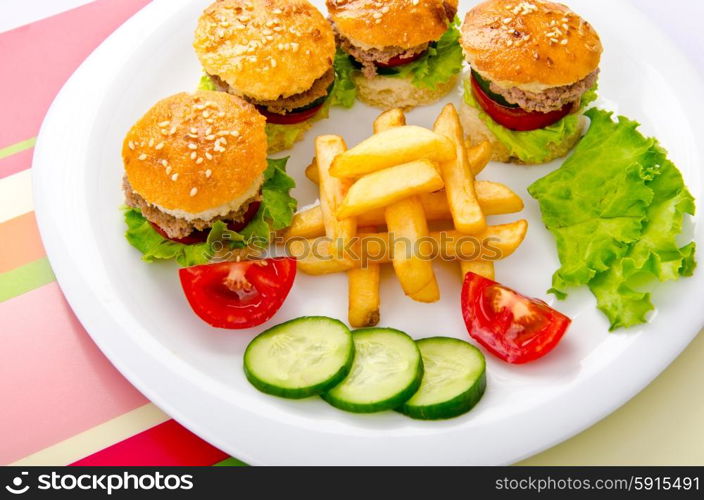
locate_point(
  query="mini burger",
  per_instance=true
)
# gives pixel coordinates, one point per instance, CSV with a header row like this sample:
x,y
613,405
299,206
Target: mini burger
x,y
534,68
406,52
196,163
276,54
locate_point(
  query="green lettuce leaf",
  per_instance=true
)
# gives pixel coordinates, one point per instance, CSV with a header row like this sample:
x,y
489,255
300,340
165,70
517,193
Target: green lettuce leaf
x,y
533,146
275,212
344,91
616,208
206,83
441,61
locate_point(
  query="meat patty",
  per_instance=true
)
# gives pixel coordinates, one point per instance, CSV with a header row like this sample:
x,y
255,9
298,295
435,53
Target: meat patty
x,y
176,227
287,104
370,57
549,100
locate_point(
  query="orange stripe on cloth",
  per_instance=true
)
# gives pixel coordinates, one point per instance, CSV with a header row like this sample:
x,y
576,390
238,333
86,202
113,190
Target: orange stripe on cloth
x,y
21,243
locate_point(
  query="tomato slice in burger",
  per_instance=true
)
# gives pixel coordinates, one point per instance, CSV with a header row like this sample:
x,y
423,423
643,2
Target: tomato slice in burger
x,y
515,118
515,328
238,295
293,117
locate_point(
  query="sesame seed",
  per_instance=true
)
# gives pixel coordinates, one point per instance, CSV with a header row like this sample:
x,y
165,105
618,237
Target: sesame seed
x,y
208,173
173,130
221,114
208,130
199,107
294,46
208,155
199,161
165,163
563,42
194,130
206,113
507,20
243,19
151,142
273,63
234,133
377,15
194,155
210,137
130,145
277,11
192,146
142,157
159,146
164,131
168,170
165,123
174,177
210,120
194,191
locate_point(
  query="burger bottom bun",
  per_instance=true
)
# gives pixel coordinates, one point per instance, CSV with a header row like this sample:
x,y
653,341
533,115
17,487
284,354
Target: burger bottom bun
x,y
477,132
390,92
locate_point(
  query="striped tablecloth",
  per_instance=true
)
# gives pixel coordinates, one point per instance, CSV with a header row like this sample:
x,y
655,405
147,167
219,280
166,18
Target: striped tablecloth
x,y
64,403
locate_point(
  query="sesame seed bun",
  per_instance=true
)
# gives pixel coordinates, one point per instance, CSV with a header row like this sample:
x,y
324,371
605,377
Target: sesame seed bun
x,y
195,155
529,44
392,92
477,132
265,49
376,24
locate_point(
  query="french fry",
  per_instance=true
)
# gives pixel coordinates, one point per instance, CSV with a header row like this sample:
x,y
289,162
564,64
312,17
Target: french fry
x,y
481,267
306,224
363,282
389,119
315,257
495,243
467,215
406,220
312,171
385,187
391,147
494,198
479,156
332,192
363,291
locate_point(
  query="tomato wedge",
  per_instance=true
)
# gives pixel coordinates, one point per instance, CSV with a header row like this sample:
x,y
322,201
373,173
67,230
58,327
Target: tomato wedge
x,y
238,295
400,61
516,118
514,328
290,118
201,236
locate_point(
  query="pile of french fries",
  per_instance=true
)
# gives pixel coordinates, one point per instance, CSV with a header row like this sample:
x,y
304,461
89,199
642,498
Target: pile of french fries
x,y
403,177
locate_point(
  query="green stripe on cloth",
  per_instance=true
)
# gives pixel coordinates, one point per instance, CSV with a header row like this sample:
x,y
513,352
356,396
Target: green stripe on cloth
x,y
25,278
230,462
16,148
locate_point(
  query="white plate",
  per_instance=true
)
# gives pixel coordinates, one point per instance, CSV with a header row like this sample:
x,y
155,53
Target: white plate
x,y
138,316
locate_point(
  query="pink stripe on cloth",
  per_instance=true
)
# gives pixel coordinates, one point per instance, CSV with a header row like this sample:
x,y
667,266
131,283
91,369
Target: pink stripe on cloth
x,y
16,162
54,382
37,59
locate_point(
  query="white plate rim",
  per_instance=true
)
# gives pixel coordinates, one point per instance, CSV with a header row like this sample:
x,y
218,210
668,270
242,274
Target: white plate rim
x,y
158,385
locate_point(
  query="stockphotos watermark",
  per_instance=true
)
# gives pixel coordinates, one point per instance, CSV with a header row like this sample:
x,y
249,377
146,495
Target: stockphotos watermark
x,y
372,248
107,483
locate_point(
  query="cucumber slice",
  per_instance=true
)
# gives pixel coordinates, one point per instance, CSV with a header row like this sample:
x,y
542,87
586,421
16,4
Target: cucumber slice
x,y
454,380
386,371
300,358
